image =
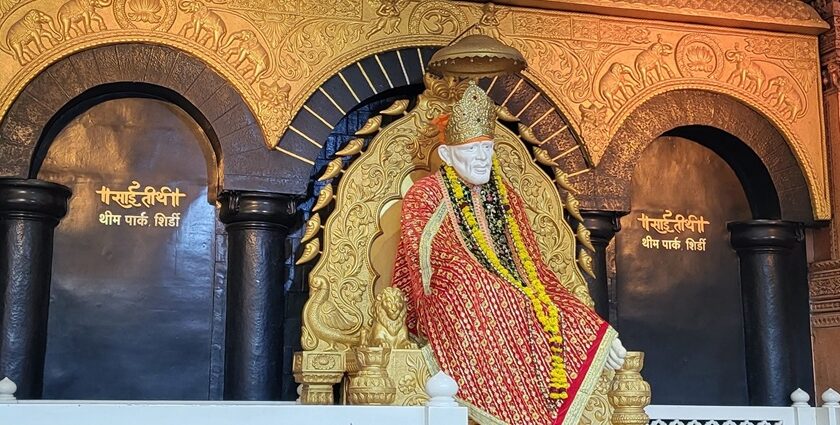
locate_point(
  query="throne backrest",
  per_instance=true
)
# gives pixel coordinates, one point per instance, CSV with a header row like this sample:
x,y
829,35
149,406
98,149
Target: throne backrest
x,y
361,234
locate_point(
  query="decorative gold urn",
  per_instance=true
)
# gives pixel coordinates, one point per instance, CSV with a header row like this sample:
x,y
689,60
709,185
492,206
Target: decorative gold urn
x,y
630,393
369,382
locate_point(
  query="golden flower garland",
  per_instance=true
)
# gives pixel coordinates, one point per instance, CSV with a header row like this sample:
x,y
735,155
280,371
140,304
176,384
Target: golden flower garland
x,y
535,290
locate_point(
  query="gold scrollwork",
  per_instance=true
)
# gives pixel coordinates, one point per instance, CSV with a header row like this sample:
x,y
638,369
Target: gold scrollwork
x,y
598,409
413,373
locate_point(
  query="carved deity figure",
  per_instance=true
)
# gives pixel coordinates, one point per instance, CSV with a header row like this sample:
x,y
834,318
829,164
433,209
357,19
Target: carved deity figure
x,y
522,348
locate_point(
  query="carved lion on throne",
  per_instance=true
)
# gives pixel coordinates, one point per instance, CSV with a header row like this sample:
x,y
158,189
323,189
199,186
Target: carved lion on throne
x,y
356,326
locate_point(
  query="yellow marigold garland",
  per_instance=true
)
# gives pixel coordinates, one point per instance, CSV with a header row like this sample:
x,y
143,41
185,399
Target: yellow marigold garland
x,y
534,289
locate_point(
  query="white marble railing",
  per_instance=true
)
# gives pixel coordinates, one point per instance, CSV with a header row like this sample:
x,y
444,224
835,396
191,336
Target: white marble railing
x,y
441,410
799,413
219,413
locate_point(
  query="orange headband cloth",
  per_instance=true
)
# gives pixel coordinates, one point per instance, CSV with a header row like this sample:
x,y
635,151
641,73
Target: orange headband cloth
x,y
440,123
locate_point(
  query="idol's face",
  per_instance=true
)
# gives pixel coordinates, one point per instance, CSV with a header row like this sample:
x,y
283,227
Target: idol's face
x,y
472,161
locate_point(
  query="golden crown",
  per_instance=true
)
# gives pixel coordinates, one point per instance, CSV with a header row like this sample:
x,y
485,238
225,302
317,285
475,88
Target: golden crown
x,y
472,117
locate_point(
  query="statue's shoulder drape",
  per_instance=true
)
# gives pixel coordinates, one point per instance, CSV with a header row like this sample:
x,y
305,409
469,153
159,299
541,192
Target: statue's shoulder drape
x,y
483,330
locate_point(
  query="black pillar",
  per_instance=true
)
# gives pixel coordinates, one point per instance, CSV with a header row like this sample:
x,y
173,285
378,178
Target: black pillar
x,y
765,253
603,226
29,211
257,225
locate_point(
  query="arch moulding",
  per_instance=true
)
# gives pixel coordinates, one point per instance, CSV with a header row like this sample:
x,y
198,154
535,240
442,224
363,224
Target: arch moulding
x,y
177,77
608,186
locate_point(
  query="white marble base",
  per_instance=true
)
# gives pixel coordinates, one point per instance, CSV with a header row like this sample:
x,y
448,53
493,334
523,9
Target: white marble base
x,y
26,412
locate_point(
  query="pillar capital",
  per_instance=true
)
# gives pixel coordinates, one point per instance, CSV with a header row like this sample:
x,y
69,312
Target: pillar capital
x,y
765,234
241,208
33,199
602,225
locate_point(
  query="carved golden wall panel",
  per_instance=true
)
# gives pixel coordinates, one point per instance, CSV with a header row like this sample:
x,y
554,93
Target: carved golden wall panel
x,y
605,68
596,69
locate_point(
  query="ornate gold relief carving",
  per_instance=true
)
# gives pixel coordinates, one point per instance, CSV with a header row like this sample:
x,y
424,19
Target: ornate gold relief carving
x,y
369,382
599,70
596,69
699,55
317,372
146,14
387,16
80,17
824,282
204,25
389,312
774,15
598,409
25,37
438,17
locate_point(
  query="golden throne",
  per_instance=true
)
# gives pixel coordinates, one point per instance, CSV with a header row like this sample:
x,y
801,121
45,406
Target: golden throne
x,y
359,244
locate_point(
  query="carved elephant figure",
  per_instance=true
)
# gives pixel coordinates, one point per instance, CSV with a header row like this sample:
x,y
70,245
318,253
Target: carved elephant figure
x,y
204,23
618,85
244,46
782,94
650,63
747,74
33,27
74,14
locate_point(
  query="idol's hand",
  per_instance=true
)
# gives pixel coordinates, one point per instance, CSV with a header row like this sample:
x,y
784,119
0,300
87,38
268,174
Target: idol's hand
x,y
615,359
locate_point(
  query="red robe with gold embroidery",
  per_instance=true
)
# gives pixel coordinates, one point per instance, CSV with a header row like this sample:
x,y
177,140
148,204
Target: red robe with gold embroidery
x,y
482,330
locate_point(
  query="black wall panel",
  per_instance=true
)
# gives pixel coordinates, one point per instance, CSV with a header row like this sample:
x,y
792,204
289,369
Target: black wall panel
x,y
131,307
682,307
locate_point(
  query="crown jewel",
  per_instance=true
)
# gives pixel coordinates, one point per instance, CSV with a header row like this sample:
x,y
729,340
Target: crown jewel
x,y
473,116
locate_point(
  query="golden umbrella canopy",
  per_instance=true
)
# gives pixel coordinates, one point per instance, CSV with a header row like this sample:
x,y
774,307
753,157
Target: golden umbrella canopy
x,y
476,56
